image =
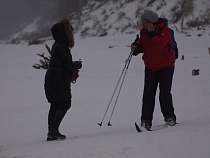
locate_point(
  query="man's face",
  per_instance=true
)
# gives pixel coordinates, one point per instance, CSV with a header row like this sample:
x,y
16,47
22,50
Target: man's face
x,y
149,26
145,24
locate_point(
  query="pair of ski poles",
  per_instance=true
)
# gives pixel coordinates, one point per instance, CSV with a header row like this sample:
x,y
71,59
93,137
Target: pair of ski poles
x,y
122,78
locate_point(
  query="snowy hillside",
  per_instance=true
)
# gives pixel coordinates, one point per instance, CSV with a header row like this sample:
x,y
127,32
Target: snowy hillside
x,y
123,17
24,109
117,17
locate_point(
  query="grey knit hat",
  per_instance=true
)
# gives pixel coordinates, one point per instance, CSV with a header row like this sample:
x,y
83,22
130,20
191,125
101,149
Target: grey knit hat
x,y
149,16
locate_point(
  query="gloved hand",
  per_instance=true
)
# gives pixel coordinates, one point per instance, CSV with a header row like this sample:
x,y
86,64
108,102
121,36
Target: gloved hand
x,y
133,47
79,63
137,50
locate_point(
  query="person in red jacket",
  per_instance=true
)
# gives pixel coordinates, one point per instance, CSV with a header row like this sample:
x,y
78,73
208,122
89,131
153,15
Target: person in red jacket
x,y
159,59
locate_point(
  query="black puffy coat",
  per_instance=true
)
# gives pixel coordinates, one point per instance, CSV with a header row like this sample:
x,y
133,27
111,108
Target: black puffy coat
x,y
58,75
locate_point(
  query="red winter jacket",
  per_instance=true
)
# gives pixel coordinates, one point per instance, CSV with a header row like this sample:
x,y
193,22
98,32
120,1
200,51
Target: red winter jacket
x,y
157,48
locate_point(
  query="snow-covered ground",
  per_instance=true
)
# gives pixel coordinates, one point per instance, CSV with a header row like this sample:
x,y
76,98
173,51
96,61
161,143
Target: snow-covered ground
x,y
24,109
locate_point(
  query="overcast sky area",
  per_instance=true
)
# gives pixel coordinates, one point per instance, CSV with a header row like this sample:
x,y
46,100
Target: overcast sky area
x,y
15,12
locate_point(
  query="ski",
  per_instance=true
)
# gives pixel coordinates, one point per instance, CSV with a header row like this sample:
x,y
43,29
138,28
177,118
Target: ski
x,y
159,127
137,128
155,128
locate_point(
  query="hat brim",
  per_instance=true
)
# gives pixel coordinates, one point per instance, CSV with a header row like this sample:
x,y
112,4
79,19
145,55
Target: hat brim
x,y
145,21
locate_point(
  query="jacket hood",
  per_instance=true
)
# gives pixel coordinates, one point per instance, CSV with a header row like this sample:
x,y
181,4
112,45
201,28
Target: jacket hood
x,y
162,22
62,32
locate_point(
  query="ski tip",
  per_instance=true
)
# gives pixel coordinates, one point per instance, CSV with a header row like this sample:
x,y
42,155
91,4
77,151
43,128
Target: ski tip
x,y
137,128
100,124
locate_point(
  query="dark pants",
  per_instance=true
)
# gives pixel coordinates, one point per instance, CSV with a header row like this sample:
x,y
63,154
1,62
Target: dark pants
x,y
55,108
164,78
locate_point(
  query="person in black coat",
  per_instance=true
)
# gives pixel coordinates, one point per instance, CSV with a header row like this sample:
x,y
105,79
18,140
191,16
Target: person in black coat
x,y
59,77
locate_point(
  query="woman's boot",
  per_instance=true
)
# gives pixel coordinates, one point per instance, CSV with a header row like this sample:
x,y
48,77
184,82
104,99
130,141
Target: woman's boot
x,y
54,133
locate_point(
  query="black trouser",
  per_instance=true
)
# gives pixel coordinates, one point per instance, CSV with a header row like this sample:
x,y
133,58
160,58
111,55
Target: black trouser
x,y
58,109
164,78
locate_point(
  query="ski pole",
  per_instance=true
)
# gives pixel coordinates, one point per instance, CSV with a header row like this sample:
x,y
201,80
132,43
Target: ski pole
x,y
100,124
125,68
128,63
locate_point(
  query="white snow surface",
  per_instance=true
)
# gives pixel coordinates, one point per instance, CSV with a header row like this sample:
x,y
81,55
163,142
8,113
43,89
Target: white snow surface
x,y
24,108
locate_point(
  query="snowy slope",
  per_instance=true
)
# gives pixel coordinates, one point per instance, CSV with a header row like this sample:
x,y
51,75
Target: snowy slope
x,y
24,109
121,17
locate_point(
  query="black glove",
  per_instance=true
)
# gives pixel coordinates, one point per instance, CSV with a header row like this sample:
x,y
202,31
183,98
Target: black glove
x,y
136,41
79,64
137,50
